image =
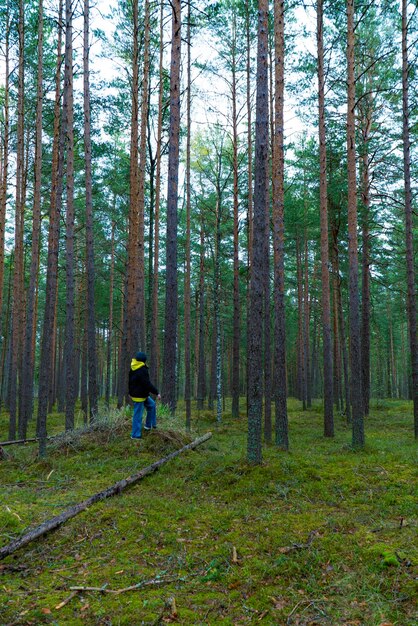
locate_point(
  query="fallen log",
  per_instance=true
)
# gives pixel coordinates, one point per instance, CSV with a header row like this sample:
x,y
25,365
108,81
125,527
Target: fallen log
x,y
74,510
15,441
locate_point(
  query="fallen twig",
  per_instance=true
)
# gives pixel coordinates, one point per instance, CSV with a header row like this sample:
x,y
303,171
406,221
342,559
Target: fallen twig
x,y
115,489
72,595
145,583
299,546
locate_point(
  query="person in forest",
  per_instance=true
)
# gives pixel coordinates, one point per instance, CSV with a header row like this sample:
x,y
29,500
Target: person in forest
x,y
140,387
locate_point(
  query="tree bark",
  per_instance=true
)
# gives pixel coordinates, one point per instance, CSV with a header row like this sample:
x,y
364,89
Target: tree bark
x,y
280,385
257,280
5,168
90,269
18,300
170,330
26,408
201,387
70,219
110,328
187,278
355,349
154,369
48,358
410,270
323,201
141,179
134,261
236,299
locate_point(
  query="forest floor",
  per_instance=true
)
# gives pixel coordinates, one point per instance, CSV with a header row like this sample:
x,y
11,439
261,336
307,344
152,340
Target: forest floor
x,y
323,534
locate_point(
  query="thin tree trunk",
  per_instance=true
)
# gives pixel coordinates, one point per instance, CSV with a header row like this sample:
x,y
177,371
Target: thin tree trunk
x,y
216,307
410,270
301,342
355,349
306,317
280,384
70,218
91,317
26,408
154,369
110,329
134,261
170,334
5,168
365,287
17,302
323,200
236,300
141,178
187,302
257,280
201,387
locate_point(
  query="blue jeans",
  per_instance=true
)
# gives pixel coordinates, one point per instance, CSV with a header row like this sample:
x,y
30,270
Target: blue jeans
x,y
151,420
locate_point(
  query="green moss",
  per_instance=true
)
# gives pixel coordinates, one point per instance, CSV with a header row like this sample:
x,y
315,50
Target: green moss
x,y
317,528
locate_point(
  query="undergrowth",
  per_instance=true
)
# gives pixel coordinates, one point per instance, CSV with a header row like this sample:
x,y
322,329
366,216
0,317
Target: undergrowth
x,y
318,535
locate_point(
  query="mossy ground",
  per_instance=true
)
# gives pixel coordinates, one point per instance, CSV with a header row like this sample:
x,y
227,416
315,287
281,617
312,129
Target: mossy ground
x,y
323,534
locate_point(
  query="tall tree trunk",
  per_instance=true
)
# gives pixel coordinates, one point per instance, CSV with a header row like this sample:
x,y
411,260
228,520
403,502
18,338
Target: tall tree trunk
x,y
216,309
280,384
301,341
17,306
133,263
365,286
91,317
236,302
410,270
154,370
5,167
70,218
49,329
26,408
201,387
257,280
306,318
141,177
170,330
187,278
110,329
355,350
323,201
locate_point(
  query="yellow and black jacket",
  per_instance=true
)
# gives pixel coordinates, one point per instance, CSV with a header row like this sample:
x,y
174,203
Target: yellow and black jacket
x,y
140,385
